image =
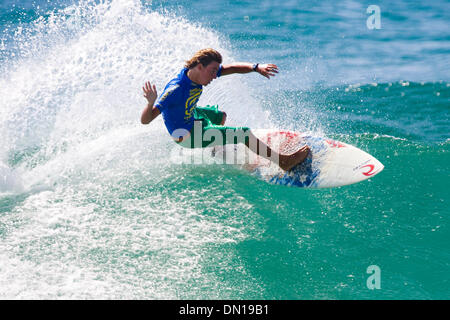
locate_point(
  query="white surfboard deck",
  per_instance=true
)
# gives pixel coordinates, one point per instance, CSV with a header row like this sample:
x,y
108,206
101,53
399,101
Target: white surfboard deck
x,y
330,163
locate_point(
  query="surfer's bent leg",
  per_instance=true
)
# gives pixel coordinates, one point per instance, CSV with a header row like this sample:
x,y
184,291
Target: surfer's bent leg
x,y
208,131
225,135
211,114
286,162
205,135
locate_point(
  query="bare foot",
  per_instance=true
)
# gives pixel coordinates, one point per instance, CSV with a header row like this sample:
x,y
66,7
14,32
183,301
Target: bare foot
x,y
287,162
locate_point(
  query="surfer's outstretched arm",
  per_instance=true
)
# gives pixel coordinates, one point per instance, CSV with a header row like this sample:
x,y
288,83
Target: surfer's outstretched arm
x,y
150,112
267,69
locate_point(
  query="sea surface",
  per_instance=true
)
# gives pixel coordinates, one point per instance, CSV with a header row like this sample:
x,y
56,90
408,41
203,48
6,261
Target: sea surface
x,y
92,205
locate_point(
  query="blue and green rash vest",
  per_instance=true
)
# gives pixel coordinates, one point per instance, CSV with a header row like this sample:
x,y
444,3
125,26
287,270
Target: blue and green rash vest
x,y
178,101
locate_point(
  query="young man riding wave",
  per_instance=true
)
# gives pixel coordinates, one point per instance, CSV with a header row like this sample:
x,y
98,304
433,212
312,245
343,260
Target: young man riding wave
x,y
178,105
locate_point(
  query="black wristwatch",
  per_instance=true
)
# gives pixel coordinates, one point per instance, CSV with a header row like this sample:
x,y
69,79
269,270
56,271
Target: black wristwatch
x,y
255,66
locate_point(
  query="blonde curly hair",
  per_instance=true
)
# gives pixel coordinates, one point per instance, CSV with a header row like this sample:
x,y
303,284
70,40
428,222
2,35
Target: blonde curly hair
x,y
205,57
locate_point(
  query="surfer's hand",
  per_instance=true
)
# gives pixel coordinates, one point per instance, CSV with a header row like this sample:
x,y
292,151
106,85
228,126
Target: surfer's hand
x,y
150,92
267,70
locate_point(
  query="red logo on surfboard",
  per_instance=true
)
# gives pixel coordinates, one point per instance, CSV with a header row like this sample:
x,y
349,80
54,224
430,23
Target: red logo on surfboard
x,y
289,136
370,171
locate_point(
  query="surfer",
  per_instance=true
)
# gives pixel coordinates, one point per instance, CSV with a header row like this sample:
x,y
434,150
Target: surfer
x,y
185,120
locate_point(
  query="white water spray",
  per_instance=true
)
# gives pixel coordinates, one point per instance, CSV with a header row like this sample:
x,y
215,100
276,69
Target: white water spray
x,y
89,176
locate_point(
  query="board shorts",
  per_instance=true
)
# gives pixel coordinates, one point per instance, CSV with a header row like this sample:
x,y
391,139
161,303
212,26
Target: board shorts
x,y
208,132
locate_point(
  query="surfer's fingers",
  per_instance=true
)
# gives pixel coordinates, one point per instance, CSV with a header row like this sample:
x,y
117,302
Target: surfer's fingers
x,y
272,67
270,70
148,88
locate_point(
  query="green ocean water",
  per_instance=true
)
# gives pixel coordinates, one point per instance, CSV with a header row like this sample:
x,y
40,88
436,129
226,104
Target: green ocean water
x,y
92,205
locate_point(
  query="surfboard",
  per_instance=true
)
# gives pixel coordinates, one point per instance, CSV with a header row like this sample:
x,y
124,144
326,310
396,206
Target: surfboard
x,y
331,163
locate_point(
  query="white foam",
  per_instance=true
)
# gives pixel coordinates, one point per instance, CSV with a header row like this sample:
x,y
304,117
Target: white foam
x,y
71,104
10,180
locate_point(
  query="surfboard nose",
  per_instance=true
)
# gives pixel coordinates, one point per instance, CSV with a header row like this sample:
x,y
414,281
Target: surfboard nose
x,y
373,167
